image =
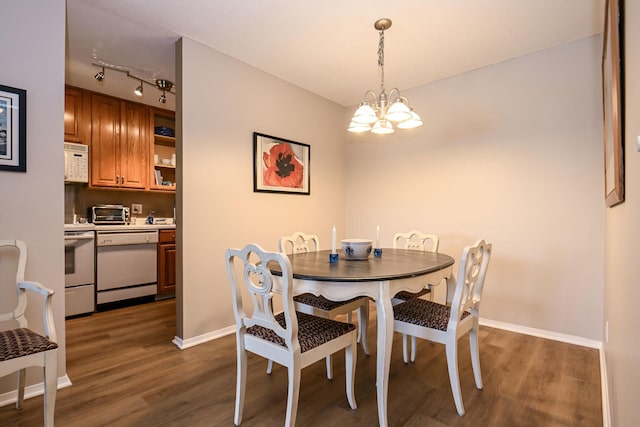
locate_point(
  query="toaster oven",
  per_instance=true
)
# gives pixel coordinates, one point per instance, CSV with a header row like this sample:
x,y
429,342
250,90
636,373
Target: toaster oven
x,y
109,214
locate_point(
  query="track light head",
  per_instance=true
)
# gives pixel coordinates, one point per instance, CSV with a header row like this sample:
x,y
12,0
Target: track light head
x,y
163,98
139,90
99,75
164,84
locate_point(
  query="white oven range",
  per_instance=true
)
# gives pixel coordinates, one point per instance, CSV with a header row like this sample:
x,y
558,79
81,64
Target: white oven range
x,y
79,270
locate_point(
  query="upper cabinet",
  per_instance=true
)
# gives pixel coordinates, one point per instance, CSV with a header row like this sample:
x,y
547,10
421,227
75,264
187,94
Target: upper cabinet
x,y
119,149
75,124
131,145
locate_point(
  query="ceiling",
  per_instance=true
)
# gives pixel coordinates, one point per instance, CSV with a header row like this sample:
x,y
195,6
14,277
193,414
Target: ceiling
x,y
327,47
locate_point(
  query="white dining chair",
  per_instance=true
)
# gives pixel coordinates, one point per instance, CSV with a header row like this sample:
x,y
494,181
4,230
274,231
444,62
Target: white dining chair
x,y
319,305
414,240
445,324
22,347
292,339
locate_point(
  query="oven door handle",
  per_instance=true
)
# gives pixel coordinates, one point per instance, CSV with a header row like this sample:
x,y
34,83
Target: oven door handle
x,y
78,237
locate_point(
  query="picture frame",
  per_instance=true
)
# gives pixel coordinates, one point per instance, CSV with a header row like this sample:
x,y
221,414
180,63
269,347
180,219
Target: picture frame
x,y
13,129
280,165
613,102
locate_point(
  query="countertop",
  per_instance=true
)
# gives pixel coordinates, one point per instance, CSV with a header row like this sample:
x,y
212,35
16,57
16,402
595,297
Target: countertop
x,y
129,227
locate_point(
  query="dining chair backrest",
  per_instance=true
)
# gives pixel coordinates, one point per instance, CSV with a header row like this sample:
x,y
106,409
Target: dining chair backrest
x,y
248,268
21,347
470,281
17,313
299,242
416,240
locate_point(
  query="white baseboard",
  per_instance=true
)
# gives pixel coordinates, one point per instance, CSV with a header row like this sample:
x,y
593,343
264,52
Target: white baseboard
x,y
604,386
190,342
570,339
31,391
541,333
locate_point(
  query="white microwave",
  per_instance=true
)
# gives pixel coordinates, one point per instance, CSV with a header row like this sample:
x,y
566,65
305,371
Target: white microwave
x,y
76,162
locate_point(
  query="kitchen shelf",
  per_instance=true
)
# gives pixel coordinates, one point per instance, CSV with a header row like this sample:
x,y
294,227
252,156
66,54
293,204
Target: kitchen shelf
x,y
164,140
163,148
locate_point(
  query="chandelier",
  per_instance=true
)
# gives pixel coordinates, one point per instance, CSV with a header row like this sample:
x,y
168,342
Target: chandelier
x,y
377,113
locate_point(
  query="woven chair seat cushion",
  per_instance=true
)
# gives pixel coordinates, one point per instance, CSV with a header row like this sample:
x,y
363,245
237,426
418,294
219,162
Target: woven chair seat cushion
x,y
313,331
22,342
320,302
424,313
404,295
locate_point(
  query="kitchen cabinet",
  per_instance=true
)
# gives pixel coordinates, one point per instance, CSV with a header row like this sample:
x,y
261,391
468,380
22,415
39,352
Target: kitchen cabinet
x,y
166,263
162,150
119,143
76,119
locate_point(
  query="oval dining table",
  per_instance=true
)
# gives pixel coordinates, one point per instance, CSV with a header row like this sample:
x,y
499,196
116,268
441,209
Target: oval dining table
x,y
379,278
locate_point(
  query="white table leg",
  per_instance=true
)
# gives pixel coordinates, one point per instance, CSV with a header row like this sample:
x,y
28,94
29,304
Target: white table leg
x,y
384,312
451,288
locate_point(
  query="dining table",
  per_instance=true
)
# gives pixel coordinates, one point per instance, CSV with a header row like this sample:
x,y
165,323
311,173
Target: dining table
x,y
376,277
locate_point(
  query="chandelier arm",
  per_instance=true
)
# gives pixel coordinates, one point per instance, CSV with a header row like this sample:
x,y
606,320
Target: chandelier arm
x,y
393,97
372,97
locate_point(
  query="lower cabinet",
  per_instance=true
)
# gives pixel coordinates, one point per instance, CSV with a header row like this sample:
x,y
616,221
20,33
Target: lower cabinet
x,y
166,263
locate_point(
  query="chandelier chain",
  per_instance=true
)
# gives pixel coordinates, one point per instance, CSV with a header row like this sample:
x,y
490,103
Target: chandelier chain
x,y
381,59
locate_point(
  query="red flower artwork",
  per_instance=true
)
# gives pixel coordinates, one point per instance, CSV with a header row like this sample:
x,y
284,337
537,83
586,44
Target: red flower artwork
x,y
282,168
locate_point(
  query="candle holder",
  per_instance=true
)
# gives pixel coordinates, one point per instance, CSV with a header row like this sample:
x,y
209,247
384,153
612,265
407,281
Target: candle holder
x,y
333,258
377,252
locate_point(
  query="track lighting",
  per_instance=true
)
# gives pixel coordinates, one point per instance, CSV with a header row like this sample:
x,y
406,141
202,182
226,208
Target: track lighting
x,y
99,75
162,85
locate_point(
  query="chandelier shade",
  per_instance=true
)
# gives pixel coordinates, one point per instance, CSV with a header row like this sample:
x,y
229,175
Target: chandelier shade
x,y
378,112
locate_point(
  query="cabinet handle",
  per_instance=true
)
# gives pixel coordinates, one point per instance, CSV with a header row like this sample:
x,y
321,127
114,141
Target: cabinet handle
x,y
123,179
117,179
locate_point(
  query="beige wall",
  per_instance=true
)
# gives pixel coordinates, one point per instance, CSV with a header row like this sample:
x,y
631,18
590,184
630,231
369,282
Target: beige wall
x,y
32,203
223,101
511,153
621,290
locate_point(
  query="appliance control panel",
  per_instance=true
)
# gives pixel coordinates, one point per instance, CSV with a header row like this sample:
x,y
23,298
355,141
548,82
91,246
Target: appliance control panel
x,y
76,162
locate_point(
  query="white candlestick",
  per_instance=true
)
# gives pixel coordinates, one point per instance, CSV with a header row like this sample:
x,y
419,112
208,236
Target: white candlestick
x,y
378,237
333,240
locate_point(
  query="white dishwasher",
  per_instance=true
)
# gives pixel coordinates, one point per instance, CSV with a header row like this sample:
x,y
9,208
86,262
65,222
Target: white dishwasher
x,y
126,264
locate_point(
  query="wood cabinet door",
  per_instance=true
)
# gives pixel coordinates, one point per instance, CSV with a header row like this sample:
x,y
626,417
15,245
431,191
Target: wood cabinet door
x,y
134,146
105,141
73,117
166,268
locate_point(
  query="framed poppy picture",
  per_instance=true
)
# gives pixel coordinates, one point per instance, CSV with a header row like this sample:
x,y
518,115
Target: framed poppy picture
x,y
280,165
13,129
613,102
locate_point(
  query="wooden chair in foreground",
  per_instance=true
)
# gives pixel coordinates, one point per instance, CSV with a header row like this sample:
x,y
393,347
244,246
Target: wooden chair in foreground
x,y
21,347
292,339
319,305
445,324
415,240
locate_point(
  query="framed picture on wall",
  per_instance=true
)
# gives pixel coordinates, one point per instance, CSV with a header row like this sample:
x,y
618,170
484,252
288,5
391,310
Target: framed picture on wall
x,y
280,165
13,129
613,102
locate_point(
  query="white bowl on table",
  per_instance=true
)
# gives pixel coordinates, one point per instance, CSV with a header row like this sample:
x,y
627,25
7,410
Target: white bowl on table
x,y
356,249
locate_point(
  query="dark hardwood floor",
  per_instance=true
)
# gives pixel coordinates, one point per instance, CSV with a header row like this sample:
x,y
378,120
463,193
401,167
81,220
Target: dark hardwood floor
x,y
126,372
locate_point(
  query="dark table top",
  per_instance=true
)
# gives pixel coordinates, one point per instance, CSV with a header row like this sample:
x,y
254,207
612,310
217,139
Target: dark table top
x,y
393,264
